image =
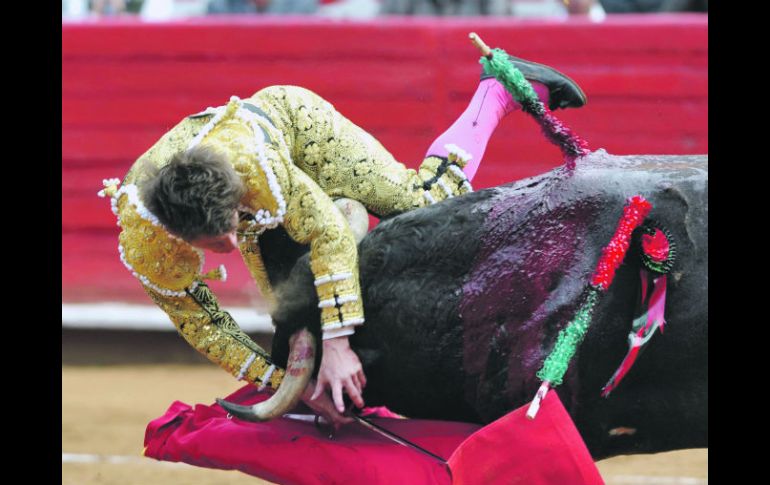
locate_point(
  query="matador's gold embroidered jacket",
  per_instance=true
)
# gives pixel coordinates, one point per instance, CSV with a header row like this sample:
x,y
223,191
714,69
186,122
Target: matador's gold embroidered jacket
x,y
294,153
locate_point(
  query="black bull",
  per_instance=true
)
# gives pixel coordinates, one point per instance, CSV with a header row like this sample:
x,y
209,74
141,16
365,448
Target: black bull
x,y
464,300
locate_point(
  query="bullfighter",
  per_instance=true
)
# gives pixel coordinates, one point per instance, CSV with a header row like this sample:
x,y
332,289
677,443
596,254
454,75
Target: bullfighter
x,y
277,160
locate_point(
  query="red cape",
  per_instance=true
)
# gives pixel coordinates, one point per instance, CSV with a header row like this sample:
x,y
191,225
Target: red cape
x,y
513,449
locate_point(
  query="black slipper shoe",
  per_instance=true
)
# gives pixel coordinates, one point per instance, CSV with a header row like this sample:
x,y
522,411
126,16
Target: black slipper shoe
x,y
563,92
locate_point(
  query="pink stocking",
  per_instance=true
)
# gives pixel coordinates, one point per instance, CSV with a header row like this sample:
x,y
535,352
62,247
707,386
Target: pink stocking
x,y
472,130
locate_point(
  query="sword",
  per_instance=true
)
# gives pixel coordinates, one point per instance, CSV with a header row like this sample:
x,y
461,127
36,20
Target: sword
x,y
372,426
394,437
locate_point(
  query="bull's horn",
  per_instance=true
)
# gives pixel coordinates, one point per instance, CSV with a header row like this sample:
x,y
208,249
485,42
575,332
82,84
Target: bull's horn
x,y
299,369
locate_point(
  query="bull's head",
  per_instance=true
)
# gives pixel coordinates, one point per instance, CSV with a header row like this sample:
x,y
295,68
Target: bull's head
x,y
302,345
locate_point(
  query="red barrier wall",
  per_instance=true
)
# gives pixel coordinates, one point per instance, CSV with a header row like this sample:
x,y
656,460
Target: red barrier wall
x,y
124,83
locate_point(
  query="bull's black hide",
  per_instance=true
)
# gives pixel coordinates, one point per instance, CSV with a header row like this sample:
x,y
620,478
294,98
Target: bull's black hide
x,y
464,300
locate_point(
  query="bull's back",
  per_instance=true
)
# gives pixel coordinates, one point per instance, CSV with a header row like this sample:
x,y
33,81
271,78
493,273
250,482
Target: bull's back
x,y
470,293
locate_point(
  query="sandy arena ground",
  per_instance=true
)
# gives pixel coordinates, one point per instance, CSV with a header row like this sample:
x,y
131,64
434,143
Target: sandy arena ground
x,y
114,382
106,408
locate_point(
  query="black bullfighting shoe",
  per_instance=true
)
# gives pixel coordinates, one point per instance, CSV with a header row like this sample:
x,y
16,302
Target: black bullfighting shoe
x,y
563,92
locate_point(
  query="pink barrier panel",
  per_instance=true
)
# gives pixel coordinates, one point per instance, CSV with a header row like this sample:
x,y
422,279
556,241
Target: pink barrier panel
x,y
124,83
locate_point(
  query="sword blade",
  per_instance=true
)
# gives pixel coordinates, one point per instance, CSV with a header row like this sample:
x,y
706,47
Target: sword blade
x,y
394,437
310,418
374,427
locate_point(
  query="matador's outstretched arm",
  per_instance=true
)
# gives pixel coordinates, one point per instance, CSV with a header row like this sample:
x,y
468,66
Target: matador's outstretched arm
x,y
170,272
312,218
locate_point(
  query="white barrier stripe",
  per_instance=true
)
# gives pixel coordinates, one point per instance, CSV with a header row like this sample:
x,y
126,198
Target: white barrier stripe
x,y
610,479
122,316
115,459
653,480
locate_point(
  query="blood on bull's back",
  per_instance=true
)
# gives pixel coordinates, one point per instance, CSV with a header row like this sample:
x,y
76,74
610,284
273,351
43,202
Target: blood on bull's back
x,y
464,300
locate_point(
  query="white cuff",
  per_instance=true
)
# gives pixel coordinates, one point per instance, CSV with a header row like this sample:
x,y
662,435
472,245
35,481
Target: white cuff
x,y
446,189
266,377
338,332
246,365
333,277
340,299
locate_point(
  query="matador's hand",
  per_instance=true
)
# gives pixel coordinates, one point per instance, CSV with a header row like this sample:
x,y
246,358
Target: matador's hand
x,y
324,406
341,369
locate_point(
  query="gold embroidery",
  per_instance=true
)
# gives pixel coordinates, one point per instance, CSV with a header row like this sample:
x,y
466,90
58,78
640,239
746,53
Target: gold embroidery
x,y
214,333
160,260
312,154
252,256
342,158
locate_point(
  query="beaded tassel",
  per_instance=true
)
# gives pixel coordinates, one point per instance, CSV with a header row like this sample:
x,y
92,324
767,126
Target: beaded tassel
x,y
658,256
557,362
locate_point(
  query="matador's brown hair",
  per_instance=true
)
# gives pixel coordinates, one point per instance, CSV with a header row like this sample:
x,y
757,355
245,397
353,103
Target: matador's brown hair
x,y
195,194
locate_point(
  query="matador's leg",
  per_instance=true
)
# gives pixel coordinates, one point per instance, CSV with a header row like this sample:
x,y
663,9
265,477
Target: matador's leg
x,y
472,130
492,102
346,161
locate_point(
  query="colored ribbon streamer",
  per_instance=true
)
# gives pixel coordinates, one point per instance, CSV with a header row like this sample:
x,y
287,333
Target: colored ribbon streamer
x,y
557,362
613,254
643,328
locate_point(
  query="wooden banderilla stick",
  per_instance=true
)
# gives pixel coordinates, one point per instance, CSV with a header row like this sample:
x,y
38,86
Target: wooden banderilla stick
x,y
483,48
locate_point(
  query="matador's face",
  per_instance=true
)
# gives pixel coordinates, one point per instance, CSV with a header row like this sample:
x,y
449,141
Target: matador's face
x,y
223,243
